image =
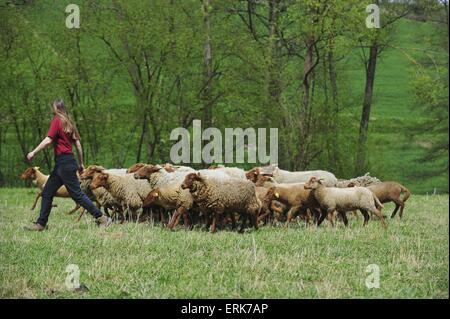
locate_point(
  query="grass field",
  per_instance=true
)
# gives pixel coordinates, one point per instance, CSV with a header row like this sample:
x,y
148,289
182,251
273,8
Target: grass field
x,y
148,261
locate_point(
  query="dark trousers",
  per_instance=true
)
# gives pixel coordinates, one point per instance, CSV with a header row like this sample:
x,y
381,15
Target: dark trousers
x,y
64,173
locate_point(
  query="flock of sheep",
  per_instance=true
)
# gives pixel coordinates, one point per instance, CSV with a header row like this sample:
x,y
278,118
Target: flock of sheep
x,y
220,196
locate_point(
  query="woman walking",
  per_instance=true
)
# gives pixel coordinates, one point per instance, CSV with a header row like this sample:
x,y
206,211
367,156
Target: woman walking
x,y
62,134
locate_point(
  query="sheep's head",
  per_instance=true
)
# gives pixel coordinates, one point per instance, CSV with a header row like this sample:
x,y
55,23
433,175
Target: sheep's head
x,y
135,167
169,168
152,197
190,179
253,174
90,171
313,183
262,179
99,180
277,207
146,171
29,173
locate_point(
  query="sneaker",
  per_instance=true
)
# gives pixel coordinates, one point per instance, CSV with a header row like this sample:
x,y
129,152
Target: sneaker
x,y
34,227
103,221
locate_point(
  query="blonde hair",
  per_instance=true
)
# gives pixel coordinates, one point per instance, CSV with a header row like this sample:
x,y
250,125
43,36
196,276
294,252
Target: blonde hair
x,y
67,122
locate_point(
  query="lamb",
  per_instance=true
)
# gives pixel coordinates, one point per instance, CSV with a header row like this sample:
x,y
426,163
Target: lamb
x,y
171,197
283,176
295,197
223,196
39,179
390,192
343,200
123,188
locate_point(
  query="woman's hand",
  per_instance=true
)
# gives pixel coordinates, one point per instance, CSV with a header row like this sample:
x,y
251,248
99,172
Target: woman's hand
x,y
30,155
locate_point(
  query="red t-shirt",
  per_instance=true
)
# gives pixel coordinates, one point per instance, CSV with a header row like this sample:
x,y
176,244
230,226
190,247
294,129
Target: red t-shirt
x,y
62,142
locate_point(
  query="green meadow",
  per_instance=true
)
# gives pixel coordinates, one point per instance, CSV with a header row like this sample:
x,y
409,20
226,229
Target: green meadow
x,y
148,261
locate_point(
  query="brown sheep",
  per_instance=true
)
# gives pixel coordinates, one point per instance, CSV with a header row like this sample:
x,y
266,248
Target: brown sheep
x,y
295,197
39,179
391,192
343,200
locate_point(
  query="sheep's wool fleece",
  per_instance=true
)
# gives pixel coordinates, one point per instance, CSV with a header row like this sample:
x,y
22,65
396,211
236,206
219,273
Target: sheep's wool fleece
x,y
345,198
232,194
282,176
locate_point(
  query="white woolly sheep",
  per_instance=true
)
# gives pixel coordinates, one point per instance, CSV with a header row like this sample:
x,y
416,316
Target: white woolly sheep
x,y
343,200
130,193
221,197
283,176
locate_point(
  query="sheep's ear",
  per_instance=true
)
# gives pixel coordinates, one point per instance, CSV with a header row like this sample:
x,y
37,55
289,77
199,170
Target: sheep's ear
x,y
36,168
320,181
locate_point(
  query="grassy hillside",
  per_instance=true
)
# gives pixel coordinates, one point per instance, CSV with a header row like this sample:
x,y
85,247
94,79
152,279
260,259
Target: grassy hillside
x,y
394,155
148,261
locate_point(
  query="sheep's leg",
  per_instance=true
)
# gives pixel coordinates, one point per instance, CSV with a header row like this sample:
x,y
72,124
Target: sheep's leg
x,y
254,218
366,216
323,214
175,218
380,216
330,218
81,214
39,194
233,221
186,222
344,218
316,215
291,214
77,206
402,206
397,206
214,222
309,217
244,222
264,215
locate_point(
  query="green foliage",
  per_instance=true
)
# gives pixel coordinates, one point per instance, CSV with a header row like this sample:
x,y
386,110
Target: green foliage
x,y
134,71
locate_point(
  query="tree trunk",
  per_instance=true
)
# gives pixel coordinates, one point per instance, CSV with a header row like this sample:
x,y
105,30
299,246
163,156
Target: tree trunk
x,y
304,136
367,104
207,69
141,138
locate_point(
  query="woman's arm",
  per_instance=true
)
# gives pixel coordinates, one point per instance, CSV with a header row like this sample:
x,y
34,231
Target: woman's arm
x,y
80,154
45,142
